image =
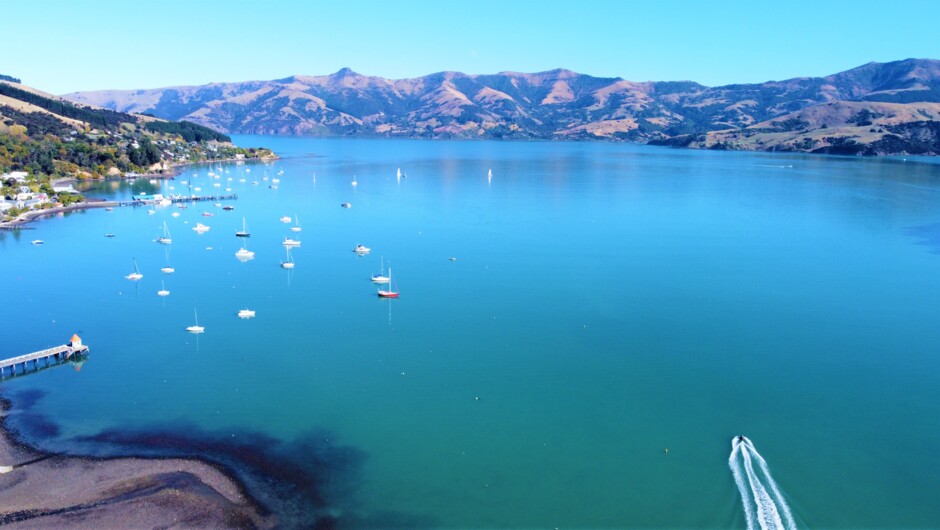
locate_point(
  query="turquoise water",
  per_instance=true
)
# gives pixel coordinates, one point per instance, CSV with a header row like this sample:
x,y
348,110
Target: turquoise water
x,y
607,302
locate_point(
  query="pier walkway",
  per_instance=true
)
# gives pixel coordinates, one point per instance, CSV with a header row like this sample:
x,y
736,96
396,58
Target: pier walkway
x,y
49,357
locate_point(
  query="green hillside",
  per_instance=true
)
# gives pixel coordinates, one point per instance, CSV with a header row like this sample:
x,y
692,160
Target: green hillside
x,y
50,137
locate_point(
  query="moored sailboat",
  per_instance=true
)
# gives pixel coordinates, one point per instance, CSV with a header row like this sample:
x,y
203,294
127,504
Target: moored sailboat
x,y
381,277
289,263
244,231
390,292
165,239
195,328
136,275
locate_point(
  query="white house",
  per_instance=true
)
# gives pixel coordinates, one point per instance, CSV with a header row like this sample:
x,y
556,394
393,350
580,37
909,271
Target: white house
x,y
19,176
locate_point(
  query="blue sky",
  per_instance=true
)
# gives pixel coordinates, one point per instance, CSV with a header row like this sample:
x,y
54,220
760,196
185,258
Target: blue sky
x,y
63,46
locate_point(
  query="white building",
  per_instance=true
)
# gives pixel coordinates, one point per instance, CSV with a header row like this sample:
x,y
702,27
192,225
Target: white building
x,y
19,176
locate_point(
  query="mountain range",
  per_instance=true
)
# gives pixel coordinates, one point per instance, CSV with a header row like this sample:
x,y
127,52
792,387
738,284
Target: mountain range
x,y
877,108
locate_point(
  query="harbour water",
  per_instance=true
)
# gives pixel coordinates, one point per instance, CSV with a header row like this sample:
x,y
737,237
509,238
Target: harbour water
x,y
607,302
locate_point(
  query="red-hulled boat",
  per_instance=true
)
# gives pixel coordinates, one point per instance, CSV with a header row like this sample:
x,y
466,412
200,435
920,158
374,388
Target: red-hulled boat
x,y
389,293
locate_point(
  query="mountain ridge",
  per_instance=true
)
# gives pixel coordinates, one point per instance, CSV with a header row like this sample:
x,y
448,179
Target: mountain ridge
x,y
554,104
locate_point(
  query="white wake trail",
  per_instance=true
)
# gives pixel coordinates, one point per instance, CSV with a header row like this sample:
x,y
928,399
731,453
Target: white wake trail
x,y
767,513
742,488
758,489
778,497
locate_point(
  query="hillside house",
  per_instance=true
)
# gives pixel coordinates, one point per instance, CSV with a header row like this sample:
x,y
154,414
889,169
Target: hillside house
x,y
18,176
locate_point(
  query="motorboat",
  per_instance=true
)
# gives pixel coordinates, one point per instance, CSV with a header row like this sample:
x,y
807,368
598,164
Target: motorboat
x,y
362,250
246,313
244,254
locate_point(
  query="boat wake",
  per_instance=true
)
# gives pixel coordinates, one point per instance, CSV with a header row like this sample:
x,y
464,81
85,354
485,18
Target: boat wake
x,y
764,505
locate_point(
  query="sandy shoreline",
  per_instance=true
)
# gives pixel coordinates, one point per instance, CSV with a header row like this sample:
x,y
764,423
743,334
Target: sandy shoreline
x,y
60,491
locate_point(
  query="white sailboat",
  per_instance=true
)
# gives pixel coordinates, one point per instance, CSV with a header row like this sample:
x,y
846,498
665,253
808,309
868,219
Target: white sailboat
x,y
244,231
289,263
398,175
489,176
296,227
354,183
381,277
136,275
162,291
195,328
165,239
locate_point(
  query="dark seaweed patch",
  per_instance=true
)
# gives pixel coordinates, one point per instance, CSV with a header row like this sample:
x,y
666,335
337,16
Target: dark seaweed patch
x,y
310,482
35,426
26,399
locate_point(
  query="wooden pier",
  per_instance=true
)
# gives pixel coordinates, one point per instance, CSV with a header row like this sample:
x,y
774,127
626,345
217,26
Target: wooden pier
x,y
49,357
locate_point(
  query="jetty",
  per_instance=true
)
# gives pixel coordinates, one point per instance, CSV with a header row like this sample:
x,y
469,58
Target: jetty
x,y
49,357
157,198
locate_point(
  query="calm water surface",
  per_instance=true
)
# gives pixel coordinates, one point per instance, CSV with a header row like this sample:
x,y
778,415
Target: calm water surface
x,y
607,302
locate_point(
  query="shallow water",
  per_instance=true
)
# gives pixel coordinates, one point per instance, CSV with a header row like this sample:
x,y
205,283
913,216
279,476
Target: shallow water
x,y
608,302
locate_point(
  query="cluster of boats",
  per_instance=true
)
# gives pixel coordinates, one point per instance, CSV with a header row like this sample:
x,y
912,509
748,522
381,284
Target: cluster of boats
x,y
382,279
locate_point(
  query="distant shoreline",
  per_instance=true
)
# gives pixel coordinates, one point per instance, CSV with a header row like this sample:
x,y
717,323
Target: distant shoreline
x,y
32,215
66,491
176,169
